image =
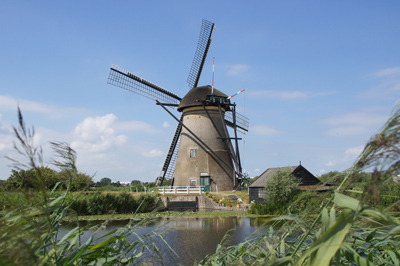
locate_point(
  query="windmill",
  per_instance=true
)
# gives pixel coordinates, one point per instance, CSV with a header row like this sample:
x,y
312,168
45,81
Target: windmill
x,y
201,151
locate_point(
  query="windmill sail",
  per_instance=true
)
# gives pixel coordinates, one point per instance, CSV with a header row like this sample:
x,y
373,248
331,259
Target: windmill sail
x,y
206,35
168,168
128,81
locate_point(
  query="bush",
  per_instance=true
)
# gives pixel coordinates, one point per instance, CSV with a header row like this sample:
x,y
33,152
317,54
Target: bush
x,y
28,179
280,187
267,208
112,203
34,178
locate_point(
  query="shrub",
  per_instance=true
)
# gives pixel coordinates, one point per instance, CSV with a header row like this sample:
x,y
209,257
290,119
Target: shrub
x,y
281,186
112,203
267,208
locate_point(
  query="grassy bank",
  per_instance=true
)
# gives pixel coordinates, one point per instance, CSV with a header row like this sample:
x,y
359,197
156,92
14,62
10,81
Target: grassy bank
x,y
170,214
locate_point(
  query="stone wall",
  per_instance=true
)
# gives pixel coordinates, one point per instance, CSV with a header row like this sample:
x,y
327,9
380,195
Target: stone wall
x,y
202,202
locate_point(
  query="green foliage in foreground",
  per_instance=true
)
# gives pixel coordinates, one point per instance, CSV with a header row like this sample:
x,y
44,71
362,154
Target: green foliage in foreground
x,y
344,238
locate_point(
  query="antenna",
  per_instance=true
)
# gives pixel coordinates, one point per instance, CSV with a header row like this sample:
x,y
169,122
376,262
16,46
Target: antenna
x,y
212,86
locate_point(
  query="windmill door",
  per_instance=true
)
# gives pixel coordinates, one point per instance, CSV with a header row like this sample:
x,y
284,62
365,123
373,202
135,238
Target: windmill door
x,y
205,183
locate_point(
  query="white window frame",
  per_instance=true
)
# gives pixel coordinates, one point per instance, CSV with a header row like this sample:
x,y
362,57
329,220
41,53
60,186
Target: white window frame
x,y
193,153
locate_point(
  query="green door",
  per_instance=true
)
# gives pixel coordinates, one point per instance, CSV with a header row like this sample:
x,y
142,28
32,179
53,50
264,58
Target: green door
x,y
205,182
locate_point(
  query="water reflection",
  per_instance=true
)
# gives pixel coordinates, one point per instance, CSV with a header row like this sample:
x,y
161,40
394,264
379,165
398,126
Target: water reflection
x,y
191,238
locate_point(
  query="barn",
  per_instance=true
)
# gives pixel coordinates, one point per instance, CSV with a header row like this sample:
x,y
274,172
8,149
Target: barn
x,y
257,187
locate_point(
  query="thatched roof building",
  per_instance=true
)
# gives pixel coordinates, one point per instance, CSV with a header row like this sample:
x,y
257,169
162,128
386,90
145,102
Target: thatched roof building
x,y
257,187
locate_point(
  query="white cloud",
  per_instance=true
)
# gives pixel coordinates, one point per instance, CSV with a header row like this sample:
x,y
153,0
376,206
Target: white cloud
x,y
394,71
134,126
97,134
238,69
389,86
346,131
165,124
152,153
8,103
271,94
360,118
353,152
388,89
330,163
355,123
349,155
6,137
264,130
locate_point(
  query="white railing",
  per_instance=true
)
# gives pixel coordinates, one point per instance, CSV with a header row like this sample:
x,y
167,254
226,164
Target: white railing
x,y
181,190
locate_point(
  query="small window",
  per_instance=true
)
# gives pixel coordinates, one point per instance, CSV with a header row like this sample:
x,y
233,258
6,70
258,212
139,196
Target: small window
x,y
193,153
193,182
261,193
216,99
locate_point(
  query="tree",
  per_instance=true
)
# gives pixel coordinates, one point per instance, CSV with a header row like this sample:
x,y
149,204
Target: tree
x,y
135,182
116,184
32,179
167,182
333,177
105,181
81,182
246,181
280,187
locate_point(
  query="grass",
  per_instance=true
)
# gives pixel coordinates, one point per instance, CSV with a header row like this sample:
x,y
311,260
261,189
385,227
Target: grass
x,y
223,197
170,214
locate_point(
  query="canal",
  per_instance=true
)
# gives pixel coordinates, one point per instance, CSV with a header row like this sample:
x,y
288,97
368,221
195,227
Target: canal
x,y
191,238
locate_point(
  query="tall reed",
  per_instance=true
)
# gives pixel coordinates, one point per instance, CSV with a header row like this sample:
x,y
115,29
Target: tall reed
x,y
29,235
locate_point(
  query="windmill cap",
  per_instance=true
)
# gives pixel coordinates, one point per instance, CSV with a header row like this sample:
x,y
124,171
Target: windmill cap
x,y
197,93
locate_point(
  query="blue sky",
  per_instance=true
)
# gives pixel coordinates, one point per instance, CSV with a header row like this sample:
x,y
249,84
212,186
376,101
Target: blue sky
x,y
321,77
